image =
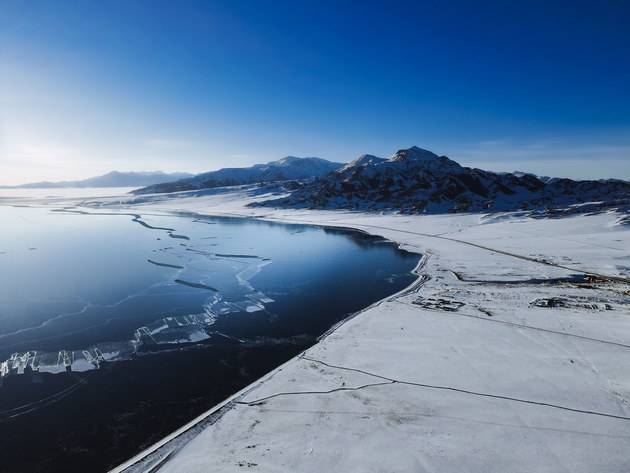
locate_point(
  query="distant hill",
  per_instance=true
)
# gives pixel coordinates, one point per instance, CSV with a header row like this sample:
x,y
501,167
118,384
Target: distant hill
x,y
111,179
289,168
415,180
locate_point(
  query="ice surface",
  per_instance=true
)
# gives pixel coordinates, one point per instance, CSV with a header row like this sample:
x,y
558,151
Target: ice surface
x,y
233,294
188,329
474,368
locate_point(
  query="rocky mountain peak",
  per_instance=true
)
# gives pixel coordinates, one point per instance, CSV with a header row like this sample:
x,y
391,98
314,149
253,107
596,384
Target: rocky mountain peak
x,y
413,154
424,160
363,160
416,180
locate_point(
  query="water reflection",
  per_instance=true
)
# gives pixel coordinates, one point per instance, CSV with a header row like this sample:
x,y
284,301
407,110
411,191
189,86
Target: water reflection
x,y
196,269
94,265
114,320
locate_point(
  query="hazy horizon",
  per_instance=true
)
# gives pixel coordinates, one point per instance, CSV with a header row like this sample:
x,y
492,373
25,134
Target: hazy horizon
x,y
89,87
156,171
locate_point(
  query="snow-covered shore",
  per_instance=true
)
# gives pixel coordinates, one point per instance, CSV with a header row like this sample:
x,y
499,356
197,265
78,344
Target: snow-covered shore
x,y
511,353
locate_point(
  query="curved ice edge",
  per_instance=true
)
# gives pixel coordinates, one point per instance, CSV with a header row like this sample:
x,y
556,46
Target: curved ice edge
x,y
196,285
166,265
188,329
152,458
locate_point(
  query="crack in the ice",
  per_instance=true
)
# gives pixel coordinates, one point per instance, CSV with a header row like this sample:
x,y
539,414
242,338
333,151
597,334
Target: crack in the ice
x,y
388,381
30,407
262,400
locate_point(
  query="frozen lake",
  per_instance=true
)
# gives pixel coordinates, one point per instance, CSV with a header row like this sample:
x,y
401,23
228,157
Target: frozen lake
x,y
116,327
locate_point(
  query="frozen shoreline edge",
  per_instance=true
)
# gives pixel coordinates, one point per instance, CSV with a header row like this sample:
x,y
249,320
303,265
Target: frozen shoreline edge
x,y
469,328
152,458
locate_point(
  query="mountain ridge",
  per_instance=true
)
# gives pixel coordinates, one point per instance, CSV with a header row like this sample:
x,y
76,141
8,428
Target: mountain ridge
x,y
415,180
289,168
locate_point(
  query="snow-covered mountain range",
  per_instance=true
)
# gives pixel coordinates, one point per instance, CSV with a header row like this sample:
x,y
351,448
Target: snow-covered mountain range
x,y
289,168
415,180
111,179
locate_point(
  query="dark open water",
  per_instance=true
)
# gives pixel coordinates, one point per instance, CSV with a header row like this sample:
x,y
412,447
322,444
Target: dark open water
x,y
117,328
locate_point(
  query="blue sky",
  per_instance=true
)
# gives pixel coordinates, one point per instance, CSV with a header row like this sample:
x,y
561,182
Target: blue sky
x,y
90,86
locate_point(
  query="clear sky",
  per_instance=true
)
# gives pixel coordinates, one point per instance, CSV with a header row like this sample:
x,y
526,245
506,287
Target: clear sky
x,y
90,86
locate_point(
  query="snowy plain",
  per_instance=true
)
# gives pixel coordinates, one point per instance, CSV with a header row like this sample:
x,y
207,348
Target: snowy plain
x,y
511,352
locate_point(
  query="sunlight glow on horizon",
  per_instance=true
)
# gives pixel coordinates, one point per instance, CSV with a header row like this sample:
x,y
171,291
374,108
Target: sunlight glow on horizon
x,y
89,87
548,162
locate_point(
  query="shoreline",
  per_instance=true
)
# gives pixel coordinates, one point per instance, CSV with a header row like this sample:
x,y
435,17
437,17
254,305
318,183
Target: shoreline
x,y
383,288
152,458
324,375
503,355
